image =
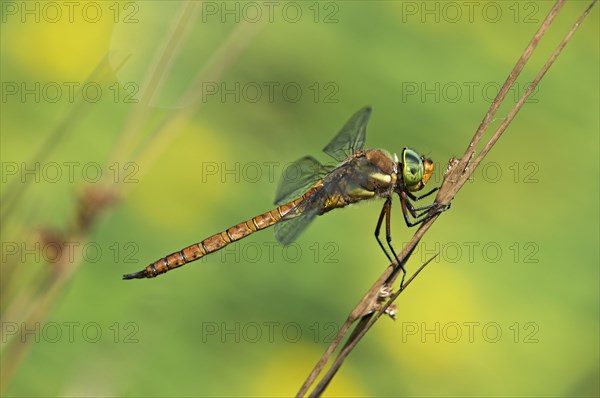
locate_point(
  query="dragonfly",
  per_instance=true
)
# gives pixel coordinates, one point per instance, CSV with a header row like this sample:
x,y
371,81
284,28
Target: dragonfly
x,y
315,189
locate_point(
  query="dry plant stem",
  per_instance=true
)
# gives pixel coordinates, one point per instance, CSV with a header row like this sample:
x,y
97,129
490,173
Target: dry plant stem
x,y
461,171
516,71
12,194
219,63
453,181
354,315
359,331
35,304
465,176
37,308
152,82
13,354
17,189
362,311
174,123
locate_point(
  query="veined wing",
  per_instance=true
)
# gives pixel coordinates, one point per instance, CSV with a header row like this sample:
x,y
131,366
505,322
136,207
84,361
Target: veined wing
x,y
351,137
298,177
349,140
305,172
299,217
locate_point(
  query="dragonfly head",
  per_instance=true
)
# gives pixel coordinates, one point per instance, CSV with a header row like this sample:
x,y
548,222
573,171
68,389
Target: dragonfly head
x,y
416,169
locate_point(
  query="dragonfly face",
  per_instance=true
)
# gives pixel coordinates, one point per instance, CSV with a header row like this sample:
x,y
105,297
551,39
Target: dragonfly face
x,y
416,170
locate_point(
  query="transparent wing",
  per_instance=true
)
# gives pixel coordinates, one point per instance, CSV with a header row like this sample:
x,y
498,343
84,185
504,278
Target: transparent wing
x,y
298,218
299,177
351,137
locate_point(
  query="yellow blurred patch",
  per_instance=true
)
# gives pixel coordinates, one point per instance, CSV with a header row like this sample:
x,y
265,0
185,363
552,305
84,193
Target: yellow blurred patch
x,y
178,175
61,50
434,319
437,332
284,376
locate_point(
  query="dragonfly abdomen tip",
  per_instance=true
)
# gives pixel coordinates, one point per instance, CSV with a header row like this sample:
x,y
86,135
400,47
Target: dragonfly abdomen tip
x,y
136,275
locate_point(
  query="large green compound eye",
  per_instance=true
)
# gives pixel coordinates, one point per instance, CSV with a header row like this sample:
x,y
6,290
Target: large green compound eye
x,y
412,167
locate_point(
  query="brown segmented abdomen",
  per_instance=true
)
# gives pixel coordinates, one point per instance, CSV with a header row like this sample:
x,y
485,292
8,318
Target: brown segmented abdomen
x,y
219,241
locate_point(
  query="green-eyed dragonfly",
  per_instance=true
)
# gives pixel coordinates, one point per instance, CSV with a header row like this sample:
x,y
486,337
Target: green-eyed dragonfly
x,y
361,174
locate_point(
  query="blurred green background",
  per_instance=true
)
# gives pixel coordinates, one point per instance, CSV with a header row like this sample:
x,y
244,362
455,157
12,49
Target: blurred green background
x,y
190,112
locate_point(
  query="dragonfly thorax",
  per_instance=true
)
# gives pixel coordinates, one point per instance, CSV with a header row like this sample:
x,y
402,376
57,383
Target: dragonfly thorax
x,y
367,174
382,160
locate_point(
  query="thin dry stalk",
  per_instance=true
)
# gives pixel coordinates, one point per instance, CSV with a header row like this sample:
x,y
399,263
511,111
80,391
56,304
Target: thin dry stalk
x,y
35,305
13,193
367,312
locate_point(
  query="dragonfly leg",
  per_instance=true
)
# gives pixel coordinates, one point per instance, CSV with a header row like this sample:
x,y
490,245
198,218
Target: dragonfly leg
x,y
417,209
428,207
409,210
384,211
387,211
415,198
424,215
388,235
405,209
